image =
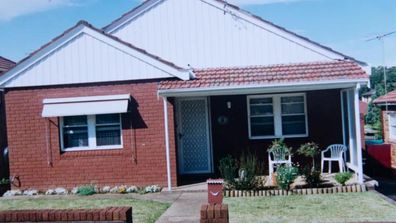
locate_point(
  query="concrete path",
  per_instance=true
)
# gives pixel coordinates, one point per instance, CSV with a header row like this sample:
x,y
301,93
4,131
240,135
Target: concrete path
x,y
185,208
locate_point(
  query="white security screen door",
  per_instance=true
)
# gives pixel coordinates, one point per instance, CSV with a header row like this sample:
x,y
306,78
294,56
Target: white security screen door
x,y
193,136
349,126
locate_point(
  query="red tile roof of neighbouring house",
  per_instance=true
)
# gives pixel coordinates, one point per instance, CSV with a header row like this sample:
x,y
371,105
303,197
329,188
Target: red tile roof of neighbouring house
x,y
388,98
274,74
5,64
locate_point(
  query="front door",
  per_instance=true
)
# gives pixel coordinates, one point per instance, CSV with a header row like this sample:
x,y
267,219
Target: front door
x,y
194,150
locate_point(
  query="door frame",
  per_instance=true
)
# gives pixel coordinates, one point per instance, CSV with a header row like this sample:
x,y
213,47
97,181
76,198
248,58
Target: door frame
x,y
180,160
351,125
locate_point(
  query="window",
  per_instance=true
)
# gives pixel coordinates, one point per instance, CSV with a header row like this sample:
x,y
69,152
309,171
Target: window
x,y
392,126
91,132
277,116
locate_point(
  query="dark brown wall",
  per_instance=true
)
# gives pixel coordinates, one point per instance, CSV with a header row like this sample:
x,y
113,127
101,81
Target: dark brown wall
x,y
324,125
3,139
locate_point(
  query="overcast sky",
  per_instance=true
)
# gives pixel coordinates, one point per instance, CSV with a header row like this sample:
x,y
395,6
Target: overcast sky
x,y
343,25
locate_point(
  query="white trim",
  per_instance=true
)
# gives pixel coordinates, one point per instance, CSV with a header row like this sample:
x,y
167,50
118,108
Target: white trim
x,y
392,133
262,88
358,135
167,147
277,114
183,74
179,130
91,127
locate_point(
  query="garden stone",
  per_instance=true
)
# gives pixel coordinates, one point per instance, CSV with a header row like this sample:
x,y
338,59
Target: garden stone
x,y
31,192
50,192
152,189
114,190
60,191
11,193
74,190
106,189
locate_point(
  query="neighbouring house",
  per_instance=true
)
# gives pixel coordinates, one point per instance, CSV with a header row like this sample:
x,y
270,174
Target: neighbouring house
x,y
5,64
161,94
386,155
367,97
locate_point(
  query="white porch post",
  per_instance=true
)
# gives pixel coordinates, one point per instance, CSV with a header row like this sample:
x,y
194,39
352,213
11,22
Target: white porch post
x,y
358,136
168,168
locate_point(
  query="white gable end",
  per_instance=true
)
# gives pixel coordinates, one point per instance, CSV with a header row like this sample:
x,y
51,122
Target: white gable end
x,y
88,57
204,33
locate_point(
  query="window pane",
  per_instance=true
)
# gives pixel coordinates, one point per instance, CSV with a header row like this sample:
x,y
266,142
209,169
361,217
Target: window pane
x,y
74,120
260,101
75,137
108,130
292,99
261,110
262,126
107,119
108,135
293,125
295,108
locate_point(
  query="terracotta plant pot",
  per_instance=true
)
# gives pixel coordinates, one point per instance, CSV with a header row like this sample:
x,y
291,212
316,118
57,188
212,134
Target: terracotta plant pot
x,y
274,182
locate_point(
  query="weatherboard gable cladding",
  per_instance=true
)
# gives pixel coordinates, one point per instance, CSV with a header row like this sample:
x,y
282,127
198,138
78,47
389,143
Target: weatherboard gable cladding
x,y
210,33
84,55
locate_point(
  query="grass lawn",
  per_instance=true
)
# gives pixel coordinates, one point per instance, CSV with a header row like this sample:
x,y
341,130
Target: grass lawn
x,y
348,207
143,211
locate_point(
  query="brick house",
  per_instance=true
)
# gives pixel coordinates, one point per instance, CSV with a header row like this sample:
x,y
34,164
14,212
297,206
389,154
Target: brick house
x,y
387,104
162,93
5,64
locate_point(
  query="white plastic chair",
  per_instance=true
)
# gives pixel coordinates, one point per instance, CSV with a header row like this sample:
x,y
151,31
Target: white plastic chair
x,y
337,154
279,158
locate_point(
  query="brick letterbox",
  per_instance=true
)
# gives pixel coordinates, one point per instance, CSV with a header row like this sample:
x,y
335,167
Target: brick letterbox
x,y
215,191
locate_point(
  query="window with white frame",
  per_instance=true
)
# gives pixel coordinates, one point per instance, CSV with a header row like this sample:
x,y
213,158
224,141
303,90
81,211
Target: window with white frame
x,y
392,126
90,132
277,116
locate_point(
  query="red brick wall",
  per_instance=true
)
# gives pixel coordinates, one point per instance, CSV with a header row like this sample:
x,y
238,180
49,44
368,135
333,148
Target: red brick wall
x,y
141,162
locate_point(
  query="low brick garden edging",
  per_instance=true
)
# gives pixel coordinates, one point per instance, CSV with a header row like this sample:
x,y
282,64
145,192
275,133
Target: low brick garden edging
x,y
305,191
110,214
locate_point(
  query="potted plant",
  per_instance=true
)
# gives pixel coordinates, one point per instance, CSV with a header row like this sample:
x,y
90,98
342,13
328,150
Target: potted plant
x,y
279,149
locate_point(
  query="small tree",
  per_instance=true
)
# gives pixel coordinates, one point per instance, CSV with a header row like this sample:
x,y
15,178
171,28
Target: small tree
x,y
309,149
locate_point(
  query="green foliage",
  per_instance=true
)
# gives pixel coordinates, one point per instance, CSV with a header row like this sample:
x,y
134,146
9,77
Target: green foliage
x,y
227,168
86,190
248,169
4,181
310,150
312,177
286,176
342,178
279,147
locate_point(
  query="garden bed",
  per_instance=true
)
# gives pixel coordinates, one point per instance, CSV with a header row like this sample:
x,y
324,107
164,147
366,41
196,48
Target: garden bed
x,y
303,191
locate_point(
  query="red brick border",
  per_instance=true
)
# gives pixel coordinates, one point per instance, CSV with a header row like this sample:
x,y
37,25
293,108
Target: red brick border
x,y
214,213
110,214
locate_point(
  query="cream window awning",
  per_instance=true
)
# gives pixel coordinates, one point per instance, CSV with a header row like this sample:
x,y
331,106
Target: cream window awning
x,y
94,105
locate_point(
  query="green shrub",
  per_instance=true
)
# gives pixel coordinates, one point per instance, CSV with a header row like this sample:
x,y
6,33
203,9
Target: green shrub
x,y
285,176
248,169
86,190
342,178
310,150
312,177
4,181
227,168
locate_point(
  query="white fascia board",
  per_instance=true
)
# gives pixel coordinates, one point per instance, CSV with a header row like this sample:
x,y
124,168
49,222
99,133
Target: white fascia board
x,y
264,88
42,53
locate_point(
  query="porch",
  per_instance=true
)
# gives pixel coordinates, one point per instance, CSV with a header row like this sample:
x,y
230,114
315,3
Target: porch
x,y
212,122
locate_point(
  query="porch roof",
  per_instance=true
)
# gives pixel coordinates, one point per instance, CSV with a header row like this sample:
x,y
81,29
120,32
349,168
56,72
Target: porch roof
x,y
275,75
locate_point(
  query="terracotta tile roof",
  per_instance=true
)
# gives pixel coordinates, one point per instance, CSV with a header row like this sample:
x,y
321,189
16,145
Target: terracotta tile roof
x,y
390,98
275,74
5,64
